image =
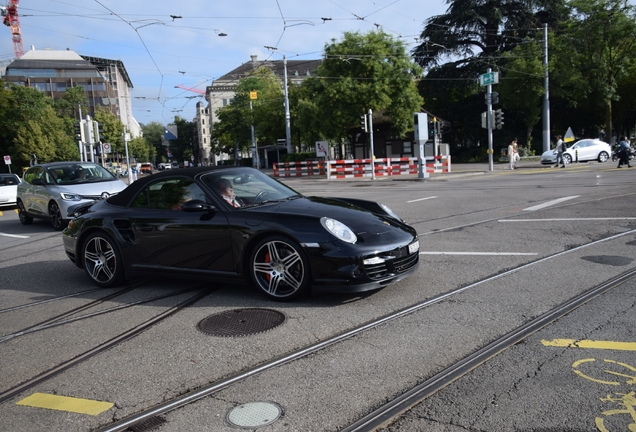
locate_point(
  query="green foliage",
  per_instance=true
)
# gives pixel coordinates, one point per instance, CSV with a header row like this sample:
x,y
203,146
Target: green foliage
x,y
298,157
360,72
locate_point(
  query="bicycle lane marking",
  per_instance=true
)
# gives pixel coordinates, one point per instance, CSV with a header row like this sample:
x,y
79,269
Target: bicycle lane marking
x,y
626,401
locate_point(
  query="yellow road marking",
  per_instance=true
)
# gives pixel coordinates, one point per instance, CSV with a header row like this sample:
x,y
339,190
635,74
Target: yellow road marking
x,y
64,403
606,345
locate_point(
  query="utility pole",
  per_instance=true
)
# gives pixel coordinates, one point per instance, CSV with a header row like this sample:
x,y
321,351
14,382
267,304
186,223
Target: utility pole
x,y
125,137
371,144
546,94
489,123
287,116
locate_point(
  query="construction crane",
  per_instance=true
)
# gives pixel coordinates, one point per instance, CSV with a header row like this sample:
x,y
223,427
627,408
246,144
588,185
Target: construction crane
x,y
11,20
194,90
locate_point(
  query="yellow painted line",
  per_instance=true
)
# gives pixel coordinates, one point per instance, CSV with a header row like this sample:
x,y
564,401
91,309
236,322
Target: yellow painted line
x,y
64,403
606,345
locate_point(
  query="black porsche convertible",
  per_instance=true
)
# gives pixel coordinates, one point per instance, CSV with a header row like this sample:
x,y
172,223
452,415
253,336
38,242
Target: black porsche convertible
x,y
236,224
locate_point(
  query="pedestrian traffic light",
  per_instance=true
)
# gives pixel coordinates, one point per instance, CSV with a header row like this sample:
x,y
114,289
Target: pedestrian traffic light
x,y
363,123
499,119
494,98
79,131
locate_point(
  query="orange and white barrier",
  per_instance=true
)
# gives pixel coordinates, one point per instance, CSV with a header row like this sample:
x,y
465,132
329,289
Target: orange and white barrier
x,y
358,168
299,169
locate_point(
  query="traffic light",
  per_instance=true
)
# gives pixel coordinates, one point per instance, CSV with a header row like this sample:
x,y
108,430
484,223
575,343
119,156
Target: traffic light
x,y
431,129
98,131
79,131
363,123
499,119
494,98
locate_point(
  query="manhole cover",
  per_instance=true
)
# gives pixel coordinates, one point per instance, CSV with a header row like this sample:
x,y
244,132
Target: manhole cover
x,y
612,260
254,414
241,322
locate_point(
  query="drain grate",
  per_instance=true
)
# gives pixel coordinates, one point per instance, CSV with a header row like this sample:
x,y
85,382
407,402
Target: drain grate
x,y
616,261
254,415
147,424
241,322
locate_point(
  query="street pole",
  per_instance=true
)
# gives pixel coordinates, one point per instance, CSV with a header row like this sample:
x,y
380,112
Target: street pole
x,y
371,144
546,95
130,176
254,152
79,141
491,166
287,116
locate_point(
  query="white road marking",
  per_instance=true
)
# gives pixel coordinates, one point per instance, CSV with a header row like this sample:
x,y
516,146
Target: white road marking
x,y
550,203
421,199
479,253
567,219
12,235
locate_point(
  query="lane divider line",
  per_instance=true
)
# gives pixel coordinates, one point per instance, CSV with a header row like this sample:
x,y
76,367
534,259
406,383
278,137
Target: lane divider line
x,y
550,203
421,199
480,253
567,219
13,235
65,403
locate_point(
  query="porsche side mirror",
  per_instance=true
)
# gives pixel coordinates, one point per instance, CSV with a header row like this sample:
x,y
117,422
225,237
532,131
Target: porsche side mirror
x,y
196,206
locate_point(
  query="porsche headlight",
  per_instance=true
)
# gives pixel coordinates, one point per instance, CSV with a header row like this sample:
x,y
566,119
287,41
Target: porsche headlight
x,y
70,196
338,229
390,212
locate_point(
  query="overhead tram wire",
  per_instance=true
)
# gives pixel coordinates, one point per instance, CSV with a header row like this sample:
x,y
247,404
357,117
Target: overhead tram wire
x,y
142,42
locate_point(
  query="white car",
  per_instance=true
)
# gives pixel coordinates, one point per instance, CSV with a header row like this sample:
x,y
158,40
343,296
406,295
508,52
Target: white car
x,y
8,189
581,151
48,190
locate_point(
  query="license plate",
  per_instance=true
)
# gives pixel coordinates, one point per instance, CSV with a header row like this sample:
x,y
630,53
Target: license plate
x,y
414,247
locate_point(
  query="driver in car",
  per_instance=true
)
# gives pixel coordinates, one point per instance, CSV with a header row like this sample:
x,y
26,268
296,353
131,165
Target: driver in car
x,y
225,188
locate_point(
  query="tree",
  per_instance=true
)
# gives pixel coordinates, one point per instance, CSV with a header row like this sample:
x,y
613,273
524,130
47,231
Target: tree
x,y
463,43
362,72
603,33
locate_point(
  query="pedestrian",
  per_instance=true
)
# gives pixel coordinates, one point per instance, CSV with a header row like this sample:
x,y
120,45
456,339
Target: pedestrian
x,y
560,148
513,153
623,153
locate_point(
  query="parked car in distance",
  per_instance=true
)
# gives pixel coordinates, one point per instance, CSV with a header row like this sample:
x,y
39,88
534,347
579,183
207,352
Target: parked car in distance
x,y
146,168
8,189
177,223
582,151
48,190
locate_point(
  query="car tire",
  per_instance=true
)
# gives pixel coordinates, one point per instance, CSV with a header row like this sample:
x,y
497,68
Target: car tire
x,y
603,157
25,219
102,261
567,158
55,216
279,268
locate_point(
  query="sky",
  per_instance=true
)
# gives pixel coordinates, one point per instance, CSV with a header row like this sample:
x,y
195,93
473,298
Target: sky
x,y
191,43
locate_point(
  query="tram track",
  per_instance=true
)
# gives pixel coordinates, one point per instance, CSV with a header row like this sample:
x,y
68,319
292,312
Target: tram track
x,y
461,367
31,382
59,320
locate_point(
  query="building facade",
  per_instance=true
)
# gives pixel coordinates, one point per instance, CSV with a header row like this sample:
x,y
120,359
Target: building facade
x,y
105,82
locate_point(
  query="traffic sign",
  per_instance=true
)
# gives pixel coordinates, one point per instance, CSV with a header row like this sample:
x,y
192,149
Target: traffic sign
x,y
107,148
489,78
7,160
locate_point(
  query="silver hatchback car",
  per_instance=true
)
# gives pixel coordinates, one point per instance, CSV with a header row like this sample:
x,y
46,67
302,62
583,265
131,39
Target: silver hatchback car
x,y
48,190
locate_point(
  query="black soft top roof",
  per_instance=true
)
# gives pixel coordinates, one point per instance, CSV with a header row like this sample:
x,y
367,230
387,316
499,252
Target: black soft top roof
x,y
123,198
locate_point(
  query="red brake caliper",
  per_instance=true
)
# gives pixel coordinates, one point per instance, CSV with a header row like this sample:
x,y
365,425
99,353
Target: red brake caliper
x,y
268,259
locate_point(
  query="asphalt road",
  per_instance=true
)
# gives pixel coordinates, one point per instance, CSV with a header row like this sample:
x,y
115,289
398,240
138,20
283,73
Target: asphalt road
x,y
504,247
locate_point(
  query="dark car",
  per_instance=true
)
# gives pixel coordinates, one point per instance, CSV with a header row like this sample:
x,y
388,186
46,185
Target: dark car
x,y
178,223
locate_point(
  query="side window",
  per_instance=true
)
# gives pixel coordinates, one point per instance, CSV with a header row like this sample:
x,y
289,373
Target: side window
x,y
142,200
168,194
